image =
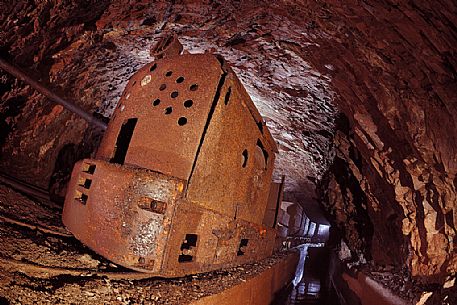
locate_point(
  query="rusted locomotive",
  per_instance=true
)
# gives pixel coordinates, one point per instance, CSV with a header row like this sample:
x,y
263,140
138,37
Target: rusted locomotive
x,y
180,182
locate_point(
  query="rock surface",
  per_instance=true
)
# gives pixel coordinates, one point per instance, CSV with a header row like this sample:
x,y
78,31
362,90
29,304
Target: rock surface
x,y
392,186
389,168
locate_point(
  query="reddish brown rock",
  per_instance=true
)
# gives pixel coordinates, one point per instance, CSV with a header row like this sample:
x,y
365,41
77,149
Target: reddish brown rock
x,y
389,67
393,183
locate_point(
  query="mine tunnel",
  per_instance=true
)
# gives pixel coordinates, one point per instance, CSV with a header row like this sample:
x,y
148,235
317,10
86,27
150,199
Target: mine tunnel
x,y
228,152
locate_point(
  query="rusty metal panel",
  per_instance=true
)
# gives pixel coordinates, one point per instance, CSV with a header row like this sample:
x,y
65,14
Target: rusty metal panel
x,y
130,205
233,170
275,195
171,99
139,219
121,213
296,216
219,241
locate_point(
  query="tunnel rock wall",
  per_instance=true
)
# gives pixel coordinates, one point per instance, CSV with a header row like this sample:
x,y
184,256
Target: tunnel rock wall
x,y
35,134
389,66
392,186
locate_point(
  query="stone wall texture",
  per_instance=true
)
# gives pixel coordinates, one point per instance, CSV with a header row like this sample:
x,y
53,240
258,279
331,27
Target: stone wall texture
x,y
392,186
389,68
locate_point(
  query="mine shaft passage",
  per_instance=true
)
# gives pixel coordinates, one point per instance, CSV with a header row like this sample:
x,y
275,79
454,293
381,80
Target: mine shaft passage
x,y
136,171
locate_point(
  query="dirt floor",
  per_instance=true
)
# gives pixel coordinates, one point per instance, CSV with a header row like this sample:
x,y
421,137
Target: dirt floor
x,y
41,263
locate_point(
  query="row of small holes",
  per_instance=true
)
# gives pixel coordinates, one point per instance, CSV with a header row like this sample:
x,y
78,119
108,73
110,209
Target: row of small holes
x,y
178,80
163,86
181,121
187,103
193,87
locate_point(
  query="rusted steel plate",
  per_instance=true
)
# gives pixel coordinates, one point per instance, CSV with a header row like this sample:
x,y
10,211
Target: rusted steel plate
x,y
184,173
171,99
168,45
274,197
218,241
139,220
119,213
296,220
261,289
234,168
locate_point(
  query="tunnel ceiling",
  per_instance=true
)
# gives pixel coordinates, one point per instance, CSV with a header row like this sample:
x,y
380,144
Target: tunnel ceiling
x,y
265,47
372,84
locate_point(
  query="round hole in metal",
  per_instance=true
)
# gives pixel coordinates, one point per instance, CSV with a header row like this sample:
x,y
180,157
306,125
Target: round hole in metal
x,y
180,79
169,73
168,110
194,87
162,87
182,121
153,67
174,94
188,103
156,102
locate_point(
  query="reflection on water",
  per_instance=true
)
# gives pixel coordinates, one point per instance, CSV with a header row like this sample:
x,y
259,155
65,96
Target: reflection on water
x,y
312,267
301,264
313,287
306,292
306,287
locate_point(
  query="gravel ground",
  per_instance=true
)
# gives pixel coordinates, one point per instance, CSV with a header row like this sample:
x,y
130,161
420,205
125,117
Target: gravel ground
x,y
41,264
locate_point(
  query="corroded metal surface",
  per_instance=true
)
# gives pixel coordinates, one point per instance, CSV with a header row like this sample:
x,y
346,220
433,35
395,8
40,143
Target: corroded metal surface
x,y
168,45
222,241
234,168
171,99
106,209
182,176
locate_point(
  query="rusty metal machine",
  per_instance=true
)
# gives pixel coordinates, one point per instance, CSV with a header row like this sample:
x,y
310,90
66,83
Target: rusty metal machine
x,y
180,182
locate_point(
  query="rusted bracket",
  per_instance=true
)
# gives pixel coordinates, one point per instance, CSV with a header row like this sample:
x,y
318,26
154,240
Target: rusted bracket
x,y
19,74
167,45
278,202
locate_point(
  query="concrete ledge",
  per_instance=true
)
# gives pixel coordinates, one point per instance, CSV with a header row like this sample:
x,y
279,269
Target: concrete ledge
x,y
258,290
371,292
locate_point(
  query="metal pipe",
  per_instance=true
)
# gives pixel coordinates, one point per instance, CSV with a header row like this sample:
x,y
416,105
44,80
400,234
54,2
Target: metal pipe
x,y
18,73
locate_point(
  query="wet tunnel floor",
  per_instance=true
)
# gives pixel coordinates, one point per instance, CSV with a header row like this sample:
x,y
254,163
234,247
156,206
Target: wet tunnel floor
x,y
307,286
300,295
